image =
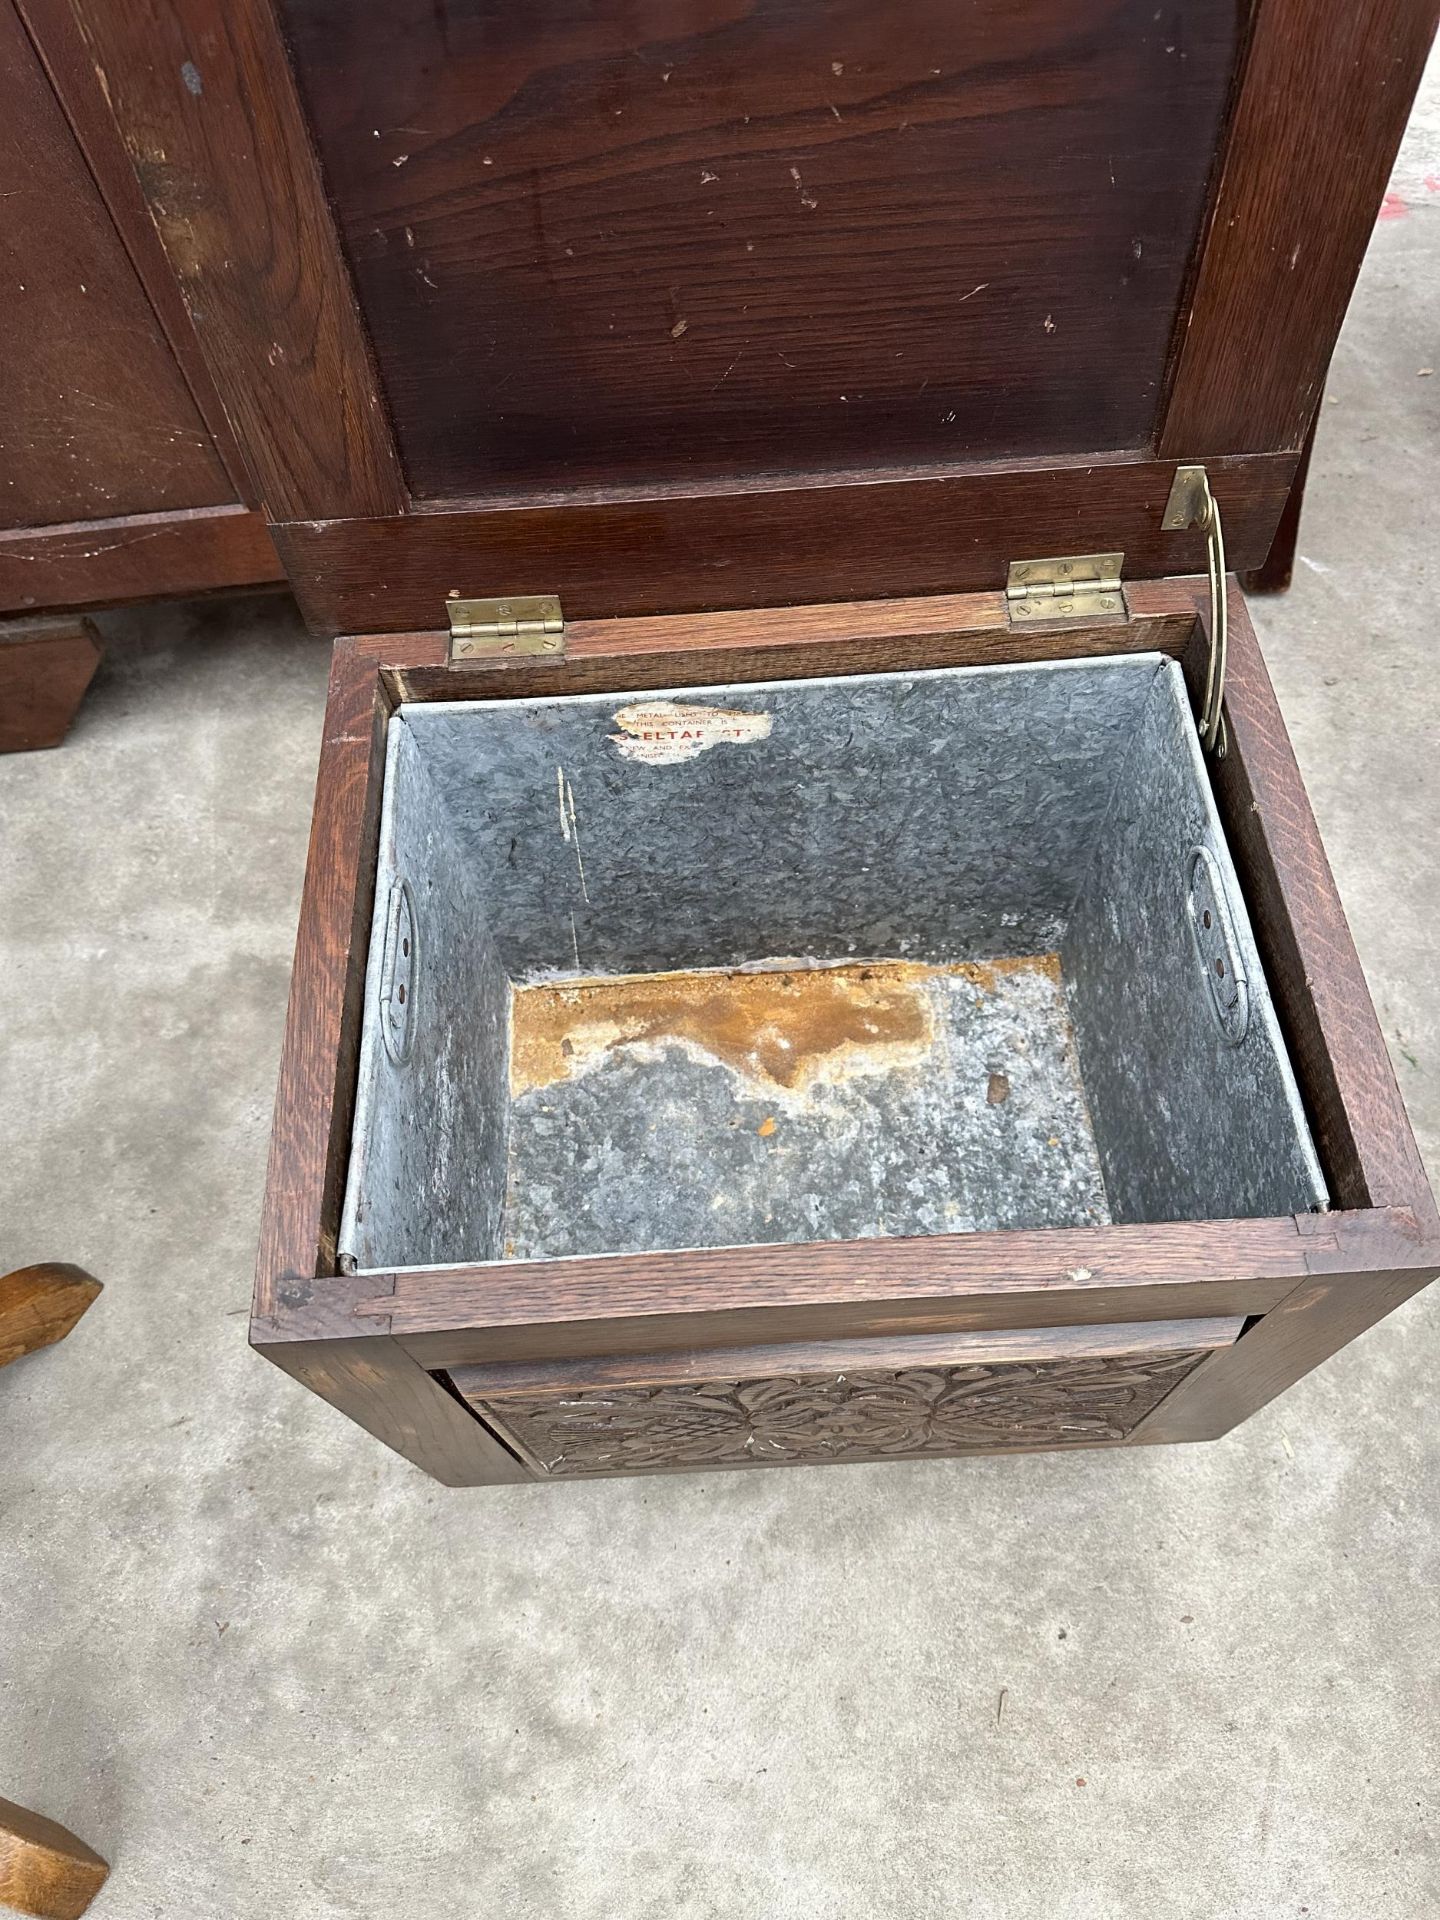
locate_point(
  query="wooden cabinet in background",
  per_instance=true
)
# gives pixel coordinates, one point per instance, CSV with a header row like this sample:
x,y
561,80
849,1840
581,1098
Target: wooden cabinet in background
x,y
119,478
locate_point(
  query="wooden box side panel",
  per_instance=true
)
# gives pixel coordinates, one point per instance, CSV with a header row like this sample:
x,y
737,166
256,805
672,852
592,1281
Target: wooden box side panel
x,y
379,1386
1311,1323
1318,984
310,1138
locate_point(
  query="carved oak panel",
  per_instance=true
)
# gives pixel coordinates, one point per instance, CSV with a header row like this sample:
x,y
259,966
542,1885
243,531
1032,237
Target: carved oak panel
x,y
795,1419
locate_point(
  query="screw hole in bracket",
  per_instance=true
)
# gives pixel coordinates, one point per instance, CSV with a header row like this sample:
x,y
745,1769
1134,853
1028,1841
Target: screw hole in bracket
x,y
398,970
1217,947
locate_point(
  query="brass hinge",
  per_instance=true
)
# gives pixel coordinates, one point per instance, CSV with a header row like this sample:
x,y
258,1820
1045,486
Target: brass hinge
x,y
521,624
1074,586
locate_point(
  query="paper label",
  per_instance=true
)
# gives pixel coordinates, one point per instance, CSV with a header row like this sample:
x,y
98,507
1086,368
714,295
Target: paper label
x,y
660,732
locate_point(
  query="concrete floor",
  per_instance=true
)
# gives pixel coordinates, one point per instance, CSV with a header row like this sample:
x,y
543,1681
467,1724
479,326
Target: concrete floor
x,y
270,1670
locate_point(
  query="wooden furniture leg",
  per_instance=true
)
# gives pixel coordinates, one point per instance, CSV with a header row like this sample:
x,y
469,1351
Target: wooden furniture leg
x,y
39,1305
44,1869
1279,565
45,667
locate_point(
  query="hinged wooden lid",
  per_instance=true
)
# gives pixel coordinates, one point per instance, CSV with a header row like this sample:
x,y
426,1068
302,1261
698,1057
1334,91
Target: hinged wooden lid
x,y
752,301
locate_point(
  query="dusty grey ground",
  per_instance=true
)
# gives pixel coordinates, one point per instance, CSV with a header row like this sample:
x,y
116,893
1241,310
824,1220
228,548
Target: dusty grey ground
x,y
270,1670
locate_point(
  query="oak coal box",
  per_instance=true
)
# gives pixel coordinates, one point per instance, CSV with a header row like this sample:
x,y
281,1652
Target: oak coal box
x,y
815,946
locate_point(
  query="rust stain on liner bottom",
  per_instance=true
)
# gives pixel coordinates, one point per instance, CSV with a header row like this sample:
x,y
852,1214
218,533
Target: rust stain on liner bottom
x,y
786,1028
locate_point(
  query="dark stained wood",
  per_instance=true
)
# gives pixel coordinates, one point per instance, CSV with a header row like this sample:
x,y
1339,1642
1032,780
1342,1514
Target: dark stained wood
x,y
742,1296
845,636
932,1411
1322,107
112,486
661,357
1378,1260
204,100
39,1305
1027,1345
76,84
1306,1328
108,563
45,1870
45,668
382,1389
1279,566
309,1142
356,670
848,636
875,537
763,236
621,656
1315,976
97,420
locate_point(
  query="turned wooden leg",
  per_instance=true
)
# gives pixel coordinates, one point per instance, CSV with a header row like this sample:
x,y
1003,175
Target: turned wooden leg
x,y
39,1305
44,1869
45,667
1275,575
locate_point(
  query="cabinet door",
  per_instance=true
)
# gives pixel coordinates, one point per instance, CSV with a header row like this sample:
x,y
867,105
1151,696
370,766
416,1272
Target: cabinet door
x,y
112,486
98,421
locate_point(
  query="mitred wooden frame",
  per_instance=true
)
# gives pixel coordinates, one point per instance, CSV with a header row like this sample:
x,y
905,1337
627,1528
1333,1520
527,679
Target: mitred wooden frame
x,y
379,1346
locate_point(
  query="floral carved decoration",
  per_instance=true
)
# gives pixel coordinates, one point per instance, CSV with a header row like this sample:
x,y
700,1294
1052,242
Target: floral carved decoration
x,y
799,1418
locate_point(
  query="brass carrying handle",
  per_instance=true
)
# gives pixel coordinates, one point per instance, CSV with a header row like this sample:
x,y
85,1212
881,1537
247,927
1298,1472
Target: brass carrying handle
x,y
1192,504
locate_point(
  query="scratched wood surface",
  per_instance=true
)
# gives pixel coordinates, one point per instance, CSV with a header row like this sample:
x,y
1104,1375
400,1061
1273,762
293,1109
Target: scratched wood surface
x,y
142,556
786,301
747,236
957,1283
203,98
887,1354
97,420
877,536
79,87
1323,105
